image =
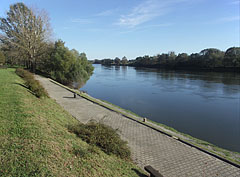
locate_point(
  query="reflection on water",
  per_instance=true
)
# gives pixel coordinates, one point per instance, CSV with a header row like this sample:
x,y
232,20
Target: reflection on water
x,y
202,104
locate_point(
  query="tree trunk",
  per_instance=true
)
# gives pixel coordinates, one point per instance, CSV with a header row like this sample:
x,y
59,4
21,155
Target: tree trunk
x,y
34,66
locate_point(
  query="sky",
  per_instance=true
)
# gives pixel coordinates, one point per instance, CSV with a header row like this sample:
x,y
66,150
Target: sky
x,y
131,28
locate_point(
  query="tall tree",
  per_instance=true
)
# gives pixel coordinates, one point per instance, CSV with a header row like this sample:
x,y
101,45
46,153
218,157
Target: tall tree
x,y
68,66
25,32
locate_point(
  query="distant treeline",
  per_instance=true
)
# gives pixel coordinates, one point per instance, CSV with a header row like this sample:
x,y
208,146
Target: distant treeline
x,y
116,61
208,59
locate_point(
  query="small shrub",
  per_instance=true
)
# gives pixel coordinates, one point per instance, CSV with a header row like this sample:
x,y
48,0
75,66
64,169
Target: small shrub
x,y
20,72
31,83
102,136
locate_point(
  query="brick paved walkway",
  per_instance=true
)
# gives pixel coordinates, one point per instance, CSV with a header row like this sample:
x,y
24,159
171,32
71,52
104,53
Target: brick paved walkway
x,y
149,147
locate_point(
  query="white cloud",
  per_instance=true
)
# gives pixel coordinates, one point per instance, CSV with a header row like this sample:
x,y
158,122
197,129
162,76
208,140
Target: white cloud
x,y
81,20
154,26
106,13
146,11
161,25
141,28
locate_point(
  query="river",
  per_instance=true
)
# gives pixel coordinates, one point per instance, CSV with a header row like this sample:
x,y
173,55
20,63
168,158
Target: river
x,y
205,105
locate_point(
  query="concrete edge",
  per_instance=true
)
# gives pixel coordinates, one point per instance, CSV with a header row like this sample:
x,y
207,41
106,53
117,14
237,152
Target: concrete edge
x,y
148,125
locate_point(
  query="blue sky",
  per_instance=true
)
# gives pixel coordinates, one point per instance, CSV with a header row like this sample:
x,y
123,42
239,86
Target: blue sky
x,y
131,28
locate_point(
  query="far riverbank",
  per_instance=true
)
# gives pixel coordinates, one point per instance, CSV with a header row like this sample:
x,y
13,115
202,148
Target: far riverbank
x,y
214,69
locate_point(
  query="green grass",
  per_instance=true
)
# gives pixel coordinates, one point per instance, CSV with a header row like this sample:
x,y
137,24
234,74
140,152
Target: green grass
x,y
35,140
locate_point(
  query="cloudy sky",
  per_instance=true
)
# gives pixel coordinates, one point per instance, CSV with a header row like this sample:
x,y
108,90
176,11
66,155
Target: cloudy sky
x,y
131,28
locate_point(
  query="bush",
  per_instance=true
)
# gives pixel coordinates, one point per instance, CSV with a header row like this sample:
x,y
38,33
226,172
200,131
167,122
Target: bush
x,y
68,66
2,58
21,72
31,83
102,136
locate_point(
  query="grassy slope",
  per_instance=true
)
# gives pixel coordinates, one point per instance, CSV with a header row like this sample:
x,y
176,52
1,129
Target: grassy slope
x,y
35,140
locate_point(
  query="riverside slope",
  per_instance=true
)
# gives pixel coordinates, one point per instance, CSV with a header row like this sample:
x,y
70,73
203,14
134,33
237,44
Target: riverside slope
x,y
149,147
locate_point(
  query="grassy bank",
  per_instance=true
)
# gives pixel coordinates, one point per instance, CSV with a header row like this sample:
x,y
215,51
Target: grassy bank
x,y
35,140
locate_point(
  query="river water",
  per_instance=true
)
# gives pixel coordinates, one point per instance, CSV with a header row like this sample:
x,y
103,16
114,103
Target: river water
x,y
205,105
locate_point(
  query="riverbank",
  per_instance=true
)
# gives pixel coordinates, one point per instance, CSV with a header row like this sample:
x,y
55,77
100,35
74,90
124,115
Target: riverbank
x,y
230,156
149,146
178,68
35,140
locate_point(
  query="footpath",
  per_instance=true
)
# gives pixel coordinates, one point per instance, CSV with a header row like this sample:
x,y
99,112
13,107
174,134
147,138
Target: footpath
x,y
170,157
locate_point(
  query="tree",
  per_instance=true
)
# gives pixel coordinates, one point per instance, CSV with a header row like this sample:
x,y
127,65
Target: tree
x,y
69,66
25,32
117,61
232,57
44,64
212,57
2,58
162,59
171,55
107,61
124,60
61,61
182,57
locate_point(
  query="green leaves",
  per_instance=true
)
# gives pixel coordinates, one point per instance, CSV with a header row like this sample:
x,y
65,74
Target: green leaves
x,y
232,57
209,58
69,66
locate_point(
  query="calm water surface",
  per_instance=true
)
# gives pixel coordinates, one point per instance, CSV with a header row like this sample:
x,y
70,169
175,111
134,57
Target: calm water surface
x,y
205,105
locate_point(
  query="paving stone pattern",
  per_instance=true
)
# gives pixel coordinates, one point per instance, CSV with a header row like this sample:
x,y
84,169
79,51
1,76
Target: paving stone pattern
x,y
149,147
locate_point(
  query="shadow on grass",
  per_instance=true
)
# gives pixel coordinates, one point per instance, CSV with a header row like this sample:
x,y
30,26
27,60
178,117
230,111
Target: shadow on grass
x,y
21,85
24,86
139,173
